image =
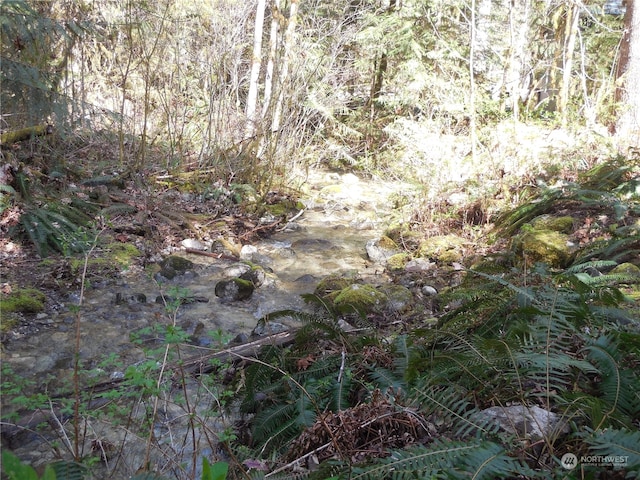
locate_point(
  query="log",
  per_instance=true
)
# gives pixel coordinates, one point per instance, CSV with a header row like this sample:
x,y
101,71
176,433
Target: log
x,y
14,136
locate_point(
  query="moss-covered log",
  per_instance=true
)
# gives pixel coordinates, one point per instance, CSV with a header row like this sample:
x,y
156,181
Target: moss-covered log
x,y
14,136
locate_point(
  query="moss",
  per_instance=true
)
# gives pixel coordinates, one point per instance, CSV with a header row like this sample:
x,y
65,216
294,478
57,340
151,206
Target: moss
x,y
8,322
365,297
546,246
626,269
397,262
24,300
555,224
442,248
123,253
174,265
332,283
401,235
387,243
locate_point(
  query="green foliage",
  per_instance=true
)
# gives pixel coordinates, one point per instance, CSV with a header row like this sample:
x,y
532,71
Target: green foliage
x,y
217,471
473,459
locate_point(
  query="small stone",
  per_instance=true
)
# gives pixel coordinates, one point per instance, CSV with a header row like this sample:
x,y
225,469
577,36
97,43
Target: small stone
x,y
429,291
193,243
247,252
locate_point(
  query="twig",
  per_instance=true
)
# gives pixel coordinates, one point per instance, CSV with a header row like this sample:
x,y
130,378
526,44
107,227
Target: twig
x,y
224,256
297,460
292,219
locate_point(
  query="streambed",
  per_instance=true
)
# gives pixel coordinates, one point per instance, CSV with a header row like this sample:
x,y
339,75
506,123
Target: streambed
x,y
342,214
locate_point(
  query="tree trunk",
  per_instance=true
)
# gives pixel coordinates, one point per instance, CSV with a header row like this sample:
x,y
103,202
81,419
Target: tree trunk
x,y
273,49
571,30
628,94
256,62
286,58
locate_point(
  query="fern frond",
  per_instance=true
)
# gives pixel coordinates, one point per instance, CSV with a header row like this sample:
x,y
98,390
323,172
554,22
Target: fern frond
x,y
613,442
117,209
474,459
619,387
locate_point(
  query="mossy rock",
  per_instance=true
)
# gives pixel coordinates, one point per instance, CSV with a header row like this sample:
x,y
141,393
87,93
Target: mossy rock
x,y
23,300
396,263
174,265
332,283
442,248
363,297
556,224
545,246
387,243
401,235
626,269
233,290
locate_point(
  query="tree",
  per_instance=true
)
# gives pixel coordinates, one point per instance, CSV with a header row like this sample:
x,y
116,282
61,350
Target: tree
x,y
628,93
256,62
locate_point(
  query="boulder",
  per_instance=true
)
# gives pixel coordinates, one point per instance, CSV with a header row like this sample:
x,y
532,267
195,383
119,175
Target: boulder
x,y
442,248
363,297
545,246
174,265
533,423
234,290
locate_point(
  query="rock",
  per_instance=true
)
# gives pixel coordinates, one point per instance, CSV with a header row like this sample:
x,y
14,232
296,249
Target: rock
x,y
236,270
255,275
312,244
233,290
626,269
399,298
418,265
193,243
555,224
364,297
174,265
332,283
546,246
130,299
533,423
429,291
264,329
381,249
397,263
248,252
442,248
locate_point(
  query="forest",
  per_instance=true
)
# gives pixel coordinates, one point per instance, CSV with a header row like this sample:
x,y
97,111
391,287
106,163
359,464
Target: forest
x,y
481,157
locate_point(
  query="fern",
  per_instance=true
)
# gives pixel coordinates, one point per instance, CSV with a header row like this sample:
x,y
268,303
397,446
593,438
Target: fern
x,y
449,459
619,387
614,442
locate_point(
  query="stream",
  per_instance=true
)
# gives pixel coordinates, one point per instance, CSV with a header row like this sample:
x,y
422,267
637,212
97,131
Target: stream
x,y
342,214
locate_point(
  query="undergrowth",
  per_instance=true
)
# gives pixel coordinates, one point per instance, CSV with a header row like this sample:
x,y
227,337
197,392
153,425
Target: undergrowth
x,y
349,399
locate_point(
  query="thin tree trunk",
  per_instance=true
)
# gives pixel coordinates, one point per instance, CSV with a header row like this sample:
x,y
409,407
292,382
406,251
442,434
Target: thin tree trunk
x,y
571,31
472,82
289,36
273,48
256,62
628,124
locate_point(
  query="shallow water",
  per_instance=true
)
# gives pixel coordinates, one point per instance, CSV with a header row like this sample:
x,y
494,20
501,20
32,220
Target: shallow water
x,y
342,214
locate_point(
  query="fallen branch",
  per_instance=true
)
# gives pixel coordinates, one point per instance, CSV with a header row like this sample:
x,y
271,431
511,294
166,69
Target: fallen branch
x,y
14,136
204,253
